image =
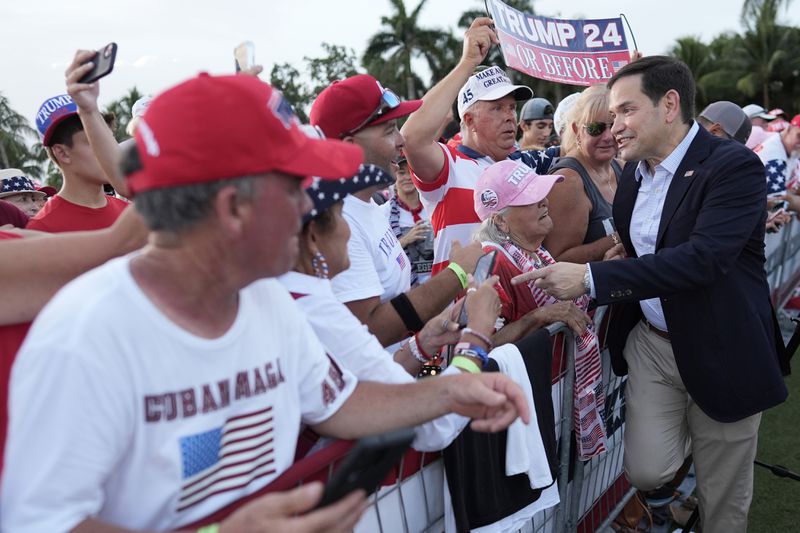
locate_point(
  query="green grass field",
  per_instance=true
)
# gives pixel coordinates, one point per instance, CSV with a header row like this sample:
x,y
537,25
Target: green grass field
x,y
776,501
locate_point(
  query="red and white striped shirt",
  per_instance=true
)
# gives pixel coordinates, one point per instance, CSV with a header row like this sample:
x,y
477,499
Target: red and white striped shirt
x,y
449,198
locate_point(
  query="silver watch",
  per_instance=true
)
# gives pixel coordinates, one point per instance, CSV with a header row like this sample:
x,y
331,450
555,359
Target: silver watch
x,y
587,280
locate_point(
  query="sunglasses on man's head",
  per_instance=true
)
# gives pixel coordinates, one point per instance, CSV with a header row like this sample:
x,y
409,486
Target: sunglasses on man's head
x,y
389,100
595,129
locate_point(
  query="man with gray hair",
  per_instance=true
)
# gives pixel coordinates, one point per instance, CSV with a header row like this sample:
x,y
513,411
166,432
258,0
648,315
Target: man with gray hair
x,y
446,175
177,377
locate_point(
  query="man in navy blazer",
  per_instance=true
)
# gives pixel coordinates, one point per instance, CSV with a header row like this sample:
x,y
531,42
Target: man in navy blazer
x,y
692,323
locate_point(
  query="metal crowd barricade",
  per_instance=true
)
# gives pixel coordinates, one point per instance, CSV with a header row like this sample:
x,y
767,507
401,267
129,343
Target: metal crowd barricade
x,y
412,499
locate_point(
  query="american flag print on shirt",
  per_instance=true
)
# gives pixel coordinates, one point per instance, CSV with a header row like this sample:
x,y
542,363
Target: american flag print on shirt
x,y
776,176
227,458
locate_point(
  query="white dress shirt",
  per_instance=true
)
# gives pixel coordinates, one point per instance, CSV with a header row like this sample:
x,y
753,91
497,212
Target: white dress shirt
x,y
646,216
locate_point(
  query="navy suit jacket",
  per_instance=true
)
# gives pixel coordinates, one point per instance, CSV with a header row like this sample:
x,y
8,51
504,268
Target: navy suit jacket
x,y
708,270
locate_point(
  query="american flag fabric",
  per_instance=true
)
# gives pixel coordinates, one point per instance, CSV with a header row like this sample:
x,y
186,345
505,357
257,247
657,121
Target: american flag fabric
x,y
227,458
401,260
776,176
589,395
17,184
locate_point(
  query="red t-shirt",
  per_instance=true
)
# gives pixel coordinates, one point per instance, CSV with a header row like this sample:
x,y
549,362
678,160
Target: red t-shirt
x,y
59,215
516,300
11,338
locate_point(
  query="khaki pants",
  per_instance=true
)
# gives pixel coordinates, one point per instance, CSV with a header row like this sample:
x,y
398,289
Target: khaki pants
x,y
663,425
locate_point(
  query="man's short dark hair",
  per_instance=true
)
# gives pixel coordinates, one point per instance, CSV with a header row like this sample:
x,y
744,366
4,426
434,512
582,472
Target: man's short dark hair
x,y
661,74
66,130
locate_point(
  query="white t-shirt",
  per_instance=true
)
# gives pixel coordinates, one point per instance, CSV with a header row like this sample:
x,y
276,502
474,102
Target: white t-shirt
x,y
378,264
360,352
119,414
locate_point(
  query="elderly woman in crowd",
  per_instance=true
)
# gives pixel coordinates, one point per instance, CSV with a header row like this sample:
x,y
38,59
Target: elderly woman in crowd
x,y
323,254
580,207
512,202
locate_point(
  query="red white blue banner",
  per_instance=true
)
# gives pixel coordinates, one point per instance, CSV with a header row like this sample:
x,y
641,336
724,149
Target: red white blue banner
x,y
575,52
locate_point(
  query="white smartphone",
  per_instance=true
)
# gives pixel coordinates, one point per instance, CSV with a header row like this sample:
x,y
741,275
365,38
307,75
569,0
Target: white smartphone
x,y
245,55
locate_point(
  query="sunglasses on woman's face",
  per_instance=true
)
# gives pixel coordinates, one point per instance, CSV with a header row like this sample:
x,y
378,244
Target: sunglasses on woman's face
x,y
595,129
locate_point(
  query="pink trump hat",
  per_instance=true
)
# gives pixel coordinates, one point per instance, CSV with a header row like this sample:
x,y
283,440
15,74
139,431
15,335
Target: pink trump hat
x,y
509,183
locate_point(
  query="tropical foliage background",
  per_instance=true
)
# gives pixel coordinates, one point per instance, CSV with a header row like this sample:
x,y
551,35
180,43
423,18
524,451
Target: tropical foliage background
x,y
759,64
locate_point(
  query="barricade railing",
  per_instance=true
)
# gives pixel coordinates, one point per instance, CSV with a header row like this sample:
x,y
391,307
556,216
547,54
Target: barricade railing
x,y
783,262
412,498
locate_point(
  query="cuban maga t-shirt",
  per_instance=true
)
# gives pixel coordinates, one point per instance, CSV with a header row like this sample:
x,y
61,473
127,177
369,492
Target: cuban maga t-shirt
x,y
119,414
378,264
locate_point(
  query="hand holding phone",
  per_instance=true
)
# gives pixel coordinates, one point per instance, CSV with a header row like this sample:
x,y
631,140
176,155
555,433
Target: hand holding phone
x,y
103,61
368,464
483,269
244,56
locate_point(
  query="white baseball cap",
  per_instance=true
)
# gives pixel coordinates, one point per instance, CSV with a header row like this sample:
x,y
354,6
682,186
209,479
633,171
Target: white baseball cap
x,y
756,111
489,84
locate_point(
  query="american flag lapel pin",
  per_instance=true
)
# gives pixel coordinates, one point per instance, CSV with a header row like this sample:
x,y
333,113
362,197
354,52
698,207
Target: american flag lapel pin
x,y
689,174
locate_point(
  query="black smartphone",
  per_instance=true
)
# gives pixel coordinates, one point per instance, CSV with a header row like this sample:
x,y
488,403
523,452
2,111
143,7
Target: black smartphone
x,y
370,461
483,269
780,206
103,61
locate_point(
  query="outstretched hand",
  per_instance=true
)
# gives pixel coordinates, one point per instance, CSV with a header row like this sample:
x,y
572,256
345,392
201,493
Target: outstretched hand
x,y
492,400
561,280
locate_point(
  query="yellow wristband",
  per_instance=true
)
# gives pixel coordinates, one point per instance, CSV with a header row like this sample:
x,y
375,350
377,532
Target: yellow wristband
x,y
212,528
460,274
463,363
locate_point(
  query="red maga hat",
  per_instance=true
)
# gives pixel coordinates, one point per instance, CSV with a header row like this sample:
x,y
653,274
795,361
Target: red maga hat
x,y
211,128
349,105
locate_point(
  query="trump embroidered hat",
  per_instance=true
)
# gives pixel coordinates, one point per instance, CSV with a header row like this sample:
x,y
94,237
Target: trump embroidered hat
x,y
509,183
347,106
211,128
489,84
51,113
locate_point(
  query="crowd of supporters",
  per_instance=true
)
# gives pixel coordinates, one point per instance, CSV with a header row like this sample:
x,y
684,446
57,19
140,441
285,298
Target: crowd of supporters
x,y
229,279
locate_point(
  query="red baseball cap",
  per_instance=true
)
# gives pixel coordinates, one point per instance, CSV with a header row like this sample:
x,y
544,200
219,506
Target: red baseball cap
x,y
211,128
344,105
796,121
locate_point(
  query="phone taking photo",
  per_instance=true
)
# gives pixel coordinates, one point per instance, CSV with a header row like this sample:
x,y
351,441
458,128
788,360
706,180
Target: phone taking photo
x,y
103,60
244,56
483,269
368,464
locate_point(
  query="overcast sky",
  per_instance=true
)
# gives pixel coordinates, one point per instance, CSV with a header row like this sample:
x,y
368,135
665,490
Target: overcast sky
x,y
162,42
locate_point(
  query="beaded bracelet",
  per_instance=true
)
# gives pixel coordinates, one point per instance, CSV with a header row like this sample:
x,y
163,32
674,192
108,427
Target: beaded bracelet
x,y
417,351
212,528
478,335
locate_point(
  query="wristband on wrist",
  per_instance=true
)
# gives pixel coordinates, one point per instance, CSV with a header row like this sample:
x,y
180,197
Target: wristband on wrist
x,y
417,351
460,274
478,335
472,350
212,528
465,364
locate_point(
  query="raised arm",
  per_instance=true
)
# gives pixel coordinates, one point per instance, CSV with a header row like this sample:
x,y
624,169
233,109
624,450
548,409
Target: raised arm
x,y
421,128
104,145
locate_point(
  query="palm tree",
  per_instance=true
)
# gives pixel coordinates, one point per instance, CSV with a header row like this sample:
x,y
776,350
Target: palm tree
x,y
389,52
15,134
122,109
762,54
697,56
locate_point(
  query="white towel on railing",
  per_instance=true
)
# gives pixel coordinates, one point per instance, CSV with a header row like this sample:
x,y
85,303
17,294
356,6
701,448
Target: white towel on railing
x,y
524,447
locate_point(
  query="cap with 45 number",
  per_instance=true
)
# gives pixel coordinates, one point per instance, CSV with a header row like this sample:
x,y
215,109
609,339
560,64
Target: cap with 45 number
x,y
489,84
